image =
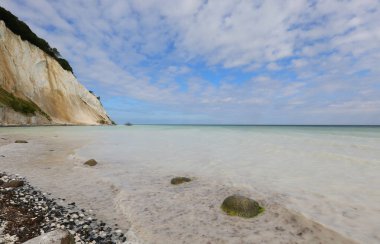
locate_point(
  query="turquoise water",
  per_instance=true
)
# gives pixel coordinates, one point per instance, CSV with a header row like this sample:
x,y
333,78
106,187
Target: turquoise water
x,y
328,173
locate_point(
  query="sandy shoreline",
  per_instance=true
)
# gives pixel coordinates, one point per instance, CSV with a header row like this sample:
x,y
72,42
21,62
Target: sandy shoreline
x,y
42,161
49,162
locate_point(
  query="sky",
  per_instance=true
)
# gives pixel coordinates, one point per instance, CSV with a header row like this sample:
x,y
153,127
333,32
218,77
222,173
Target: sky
x,y
219,61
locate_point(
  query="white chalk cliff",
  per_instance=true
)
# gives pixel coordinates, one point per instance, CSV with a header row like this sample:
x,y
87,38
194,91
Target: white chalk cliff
x,y
29,74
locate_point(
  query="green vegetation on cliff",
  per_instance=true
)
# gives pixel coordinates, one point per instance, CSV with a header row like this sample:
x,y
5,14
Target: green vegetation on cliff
x,y
20,28
20,105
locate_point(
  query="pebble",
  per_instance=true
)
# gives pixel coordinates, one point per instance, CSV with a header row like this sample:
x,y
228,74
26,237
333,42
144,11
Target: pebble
x,y
80,223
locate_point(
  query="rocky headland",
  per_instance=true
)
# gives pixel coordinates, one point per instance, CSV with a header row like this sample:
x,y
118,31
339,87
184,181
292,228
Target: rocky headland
x,y
37,86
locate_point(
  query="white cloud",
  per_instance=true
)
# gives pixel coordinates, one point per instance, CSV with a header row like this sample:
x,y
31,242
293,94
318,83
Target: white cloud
x,y
302,54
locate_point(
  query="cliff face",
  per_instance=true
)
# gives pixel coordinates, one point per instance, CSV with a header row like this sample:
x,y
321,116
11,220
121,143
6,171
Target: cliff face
x,y
35,89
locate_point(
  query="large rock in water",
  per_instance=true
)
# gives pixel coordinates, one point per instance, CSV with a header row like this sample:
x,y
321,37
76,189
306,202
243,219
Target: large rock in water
x,y
36,90
179,180
91,162
21,141
237,205
53,237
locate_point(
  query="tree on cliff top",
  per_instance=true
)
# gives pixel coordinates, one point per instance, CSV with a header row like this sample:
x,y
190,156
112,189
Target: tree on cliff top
x,y
20,28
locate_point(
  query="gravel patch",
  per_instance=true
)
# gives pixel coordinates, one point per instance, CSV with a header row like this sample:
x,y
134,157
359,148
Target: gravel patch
x,y
26,212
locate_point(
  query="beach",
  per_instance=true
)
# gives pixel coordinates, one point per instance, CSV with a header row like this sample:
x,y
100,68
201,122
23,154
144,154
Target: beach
x,y
317,184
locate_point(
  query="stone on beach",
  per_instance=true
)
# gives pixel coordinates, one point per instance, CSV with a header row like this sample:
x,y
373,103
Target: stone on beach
x,y
21,141
13,184
53,237
241,206
91,162
179,180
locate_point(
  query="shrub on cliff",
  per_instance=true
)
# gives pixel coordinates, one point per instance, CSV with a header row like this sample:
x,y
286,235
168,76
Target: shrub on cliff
x,y
20,28
26,107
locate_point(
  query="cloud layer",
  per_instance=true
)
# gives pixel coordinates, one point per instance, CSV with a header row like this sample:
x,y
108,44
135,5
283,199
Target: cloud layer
x,y
197,61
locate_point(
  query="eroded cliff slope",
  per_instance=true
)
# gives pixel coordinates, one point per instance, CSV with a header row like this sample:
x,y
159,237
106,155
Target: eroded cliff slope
x,y
35,89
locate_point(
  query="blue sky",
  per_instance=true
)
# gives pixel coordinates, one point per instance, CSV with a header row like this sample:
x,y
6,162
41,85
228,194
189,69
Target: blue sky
x,y
198,61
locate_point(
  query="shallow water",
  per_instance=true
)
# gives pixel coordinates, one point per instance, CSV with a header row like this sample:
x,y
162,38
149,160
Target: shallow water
x,y
328,174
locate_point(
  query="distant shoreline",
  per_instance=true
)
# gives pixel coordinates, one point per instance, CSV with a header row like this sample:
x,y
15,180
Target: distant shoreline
x,y
9,126
264,125
211,125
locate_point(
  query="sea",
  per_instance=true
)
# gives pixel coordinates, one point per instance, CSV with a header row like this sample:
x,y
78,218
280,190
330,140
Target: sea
x,y
330,174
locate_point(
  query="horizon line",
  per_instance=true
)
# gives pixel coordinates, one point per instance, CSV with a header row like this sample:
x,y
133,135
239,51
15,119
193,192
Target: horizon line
x,y
202,124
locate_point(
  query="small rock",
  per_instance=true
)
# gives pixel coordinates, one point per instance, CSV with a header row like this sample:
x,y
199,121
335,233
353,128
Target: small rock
x,y
279,228
91,162
13,184
21,141
237,205
179,180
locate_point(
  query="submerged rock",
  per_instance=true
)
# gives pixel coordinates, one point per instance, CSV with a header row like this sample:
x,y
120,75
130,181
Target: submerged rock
x,y
91,162
241,206
21,141
179,180
53,237
13,183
